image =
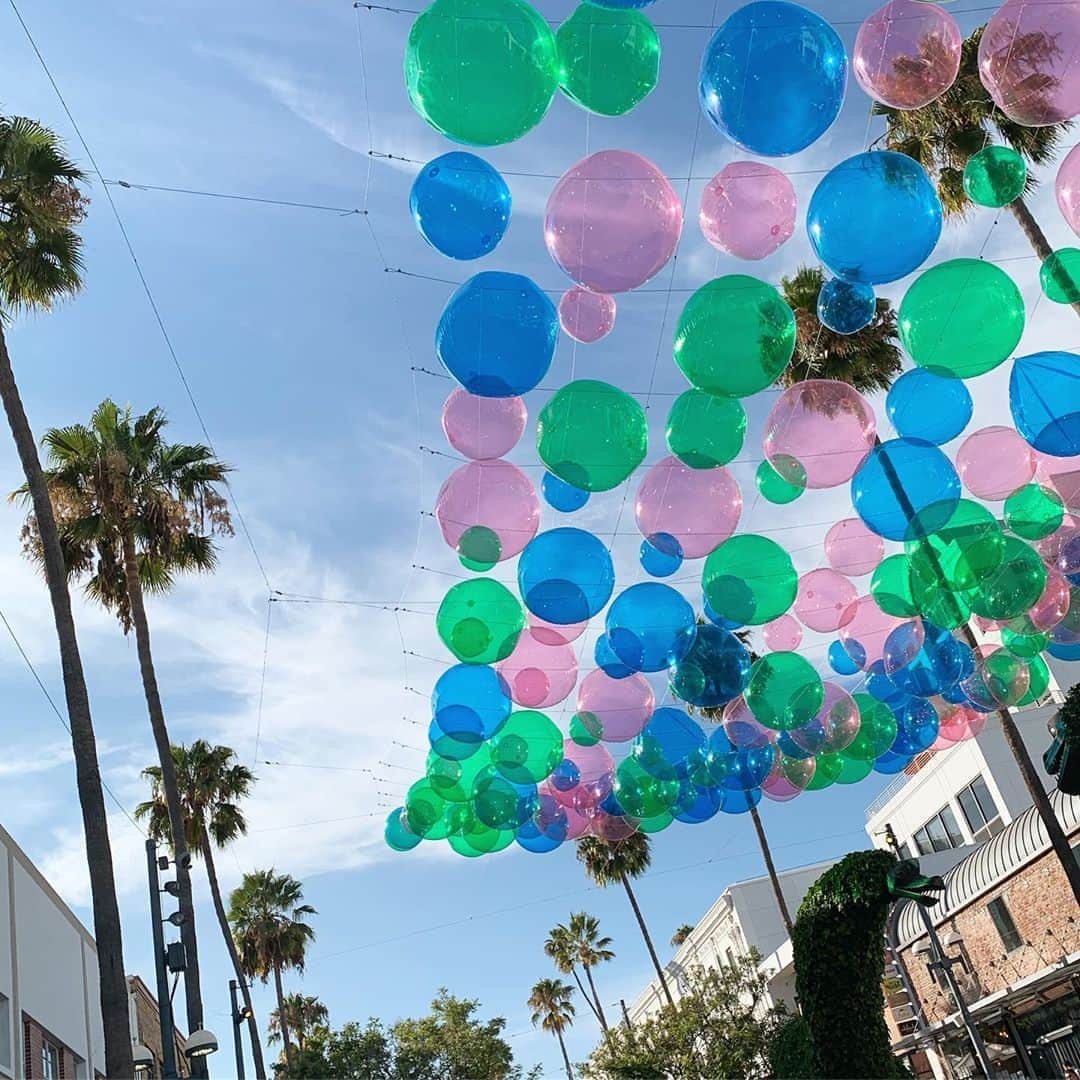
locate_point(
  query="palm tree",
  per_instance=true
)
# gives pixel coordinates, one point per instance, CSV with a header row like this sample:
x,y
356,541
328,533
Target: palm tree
x,y
267,915
553,1010
40,264
564,951
590,949
945,134
133,510
608,863
302,1012
211,786
681,934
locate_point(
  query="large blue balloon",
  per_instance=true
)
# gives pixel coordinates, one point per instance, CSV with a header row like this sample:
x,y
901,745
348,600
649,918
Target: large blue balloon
x,y
889,764
667,741
607,661
650,626
565,576
715,670
881,687
697,803
846,308
917,725
497,334
906,489
1044,395
922,659
924,405
874,218
773,77
461,205
562,496
1064,652
469,703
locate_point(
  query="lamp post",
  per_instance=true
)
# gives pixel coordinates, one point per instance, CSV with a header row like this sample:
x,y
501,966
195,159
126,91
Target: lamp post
x,y
165,1016
238,1017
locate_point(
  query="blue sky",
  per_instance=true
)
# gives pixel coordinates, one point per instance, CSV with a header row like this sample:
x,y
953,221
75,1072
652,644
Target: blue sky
x,y
297,346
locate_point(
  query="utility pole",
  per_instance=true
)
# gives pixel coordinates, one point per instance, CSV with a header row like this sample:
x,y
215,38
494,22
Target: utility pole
x,y
165,1015
237,1018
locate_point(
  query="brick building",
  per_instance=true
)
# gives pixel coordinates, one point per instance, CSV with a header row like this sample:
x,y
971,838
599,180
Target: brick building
x,y
146,1027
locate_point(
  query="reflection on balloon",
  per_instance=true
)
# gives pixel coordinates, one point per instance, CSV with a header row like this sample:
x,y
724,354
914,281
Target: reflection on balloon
x,y
995,176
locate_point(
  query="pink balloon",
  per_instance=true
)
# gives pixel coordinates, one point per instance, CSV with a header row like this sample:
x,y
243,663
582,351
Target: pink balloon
x,y
1053,605
577,822
621,706
1061,474
491,495
825,600
596,773
1068,188
613,221
742,728
585,315
539,675
789,777
783,634
612,828
826,426
869,626
907,53
852,548
835,726
959,723
552,634
483,428
1050,547
1029,60
994,461
748,210
699,507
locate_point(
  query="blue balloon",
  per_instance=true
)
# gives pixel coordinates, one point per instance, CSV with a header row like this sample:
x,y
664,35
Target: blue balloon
x,y
924,405
740,802
922,659
623,3
497,334
611,805
1064,652
562,496
565,776
667,741
905,490
661,555
565,576
917,725
846,308
469,704
1044,395
650,626
889,764
715,670
697,804
607,661
847,659
739,768
874,218
773,78
532,838
881,687
461,205
718,620
790,748
954,695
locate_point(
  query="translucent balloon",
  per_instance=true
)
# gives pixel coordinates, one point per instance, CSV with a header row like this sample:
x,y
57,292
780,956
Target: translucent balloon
x,y
961,318
907,54
1060,276
714,671
699,507
561,496
479,621
1038,681
497,334
584,777
425,811
468,705
1038,84
650,626
741,726
1067,188
925,405
1006,676
748,210
1044,396
750,580
585,315
527,748
398,835
735,336
641,793
461,205
917,727
922,659
852,548
739,769
667,741
846,308
788,778
825,600
785,691
661,555
773,78
783,634
482,72
874,218
565,576
958,723
780,488
607,660
483,428
704,430
877,729
846,659
622,707
539,675
1053,605
592,435
1014,587
867,630
833,728
891,587
968,549
993,462
613,221
995,176
1033,511
880,687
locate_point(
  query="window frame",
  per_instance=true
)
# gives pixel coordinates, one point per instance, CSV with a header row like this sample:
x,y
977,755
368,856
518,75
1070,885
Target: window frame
x,y
998,910
50,1059
991,824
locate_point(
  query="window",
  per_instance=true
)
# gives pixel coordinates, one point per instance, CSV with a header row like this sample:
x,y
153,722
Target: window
x,y
50,1061
940,833
980,810
730,957
1003,921
5,1032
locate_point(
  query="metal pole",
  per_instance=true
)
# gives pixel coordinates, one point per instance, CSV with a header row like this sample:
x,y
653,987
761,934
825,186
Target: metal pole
x,y
165,1015
625,1014
237,1020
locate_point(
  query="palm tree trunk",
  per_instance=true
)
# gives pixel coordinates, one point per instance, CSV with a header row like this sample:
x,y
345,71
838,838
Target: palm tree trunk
x,y
1041,246
169,786
112,981
283,1023
565,1057
230,945
588,1000
648,940
770,866
596,997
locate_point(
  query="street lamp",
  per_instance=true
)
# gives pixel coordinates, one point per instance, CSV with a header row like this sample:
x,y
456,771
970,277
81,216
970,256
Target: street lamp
x,y
239,1015
201,1044
143,1058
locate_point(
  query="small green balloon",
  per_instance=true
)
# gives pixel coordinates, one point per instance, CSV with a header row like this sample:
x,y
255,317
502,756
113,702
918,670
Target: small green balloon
x,y
592,435
995,176
750,580
961,318
480,621
610,58
479,548
877,729
827,771
968,549
704,430
586,729
775,487
526,748
397,833
1006,676
1034,511
1038,681
641,793
785,691
1014,587
483,72
655,824
891,588
735,336
853,770
425,811
1025,646
1060,276
453,780
495,799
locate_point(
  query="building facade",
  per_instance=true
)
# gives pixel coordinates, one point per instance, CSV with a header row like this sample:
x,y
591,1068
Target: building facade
x,y
146,1028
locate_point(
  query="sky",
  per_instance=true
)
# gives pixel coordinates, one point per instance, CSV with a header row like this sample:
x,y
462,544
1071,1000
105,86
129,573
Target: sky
x,y
295,334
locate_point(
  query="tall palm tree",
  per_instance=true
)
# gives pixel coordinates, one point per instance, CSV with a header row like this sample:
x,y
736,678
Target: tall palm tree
x,y
945,134
268,919
610,863
211,786
553,1010
563,950
132,511
590,948
40,264
302,1012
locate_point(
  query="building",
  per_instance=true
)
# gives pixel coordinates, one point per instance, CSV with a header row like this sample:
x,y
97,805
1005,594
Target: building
x,y
146,1028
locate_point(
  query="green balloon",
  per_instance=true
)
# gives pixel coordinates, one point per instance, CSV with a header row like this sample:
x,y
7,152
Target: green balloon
x,y
526,748
891,588
877,730
706,430
453,780
592,435
853,770
961,318
425,811
1014,587
482,72
479,548
995,176
785,691
480,621
1034,511
586,729
750,580
1039,681
476,838
828,768
735,336
968,549
641,793
1060,276
397,833
1026,646
655,824
1006,677
495,799
610,58
775,487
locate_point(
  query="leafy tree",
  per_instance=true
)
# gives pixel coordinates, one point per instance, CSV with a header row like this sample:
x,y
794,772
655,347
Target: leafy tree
x,y
553,1010
211,785
580,942
681,934
40,264
303,1013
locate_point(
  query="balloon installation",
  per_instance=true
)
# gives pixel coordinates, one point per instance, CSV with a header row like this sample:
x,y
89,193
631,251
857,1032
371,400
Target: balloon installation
x,y
636,634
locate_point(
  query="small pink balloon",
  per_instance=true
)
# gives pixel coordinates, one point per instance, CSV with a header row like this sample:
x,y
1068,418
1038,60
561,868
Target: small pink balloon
x,y
742,728
596,773
577,822
613,221
869,626
585,315
552,634
748,210
993,462
1053,605
1061,474
621,706
852,549
539,675
491,495
835,726
783,634
1029,60
907,53
1068,188
789,777
959,723
825,600
483,428
699,507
